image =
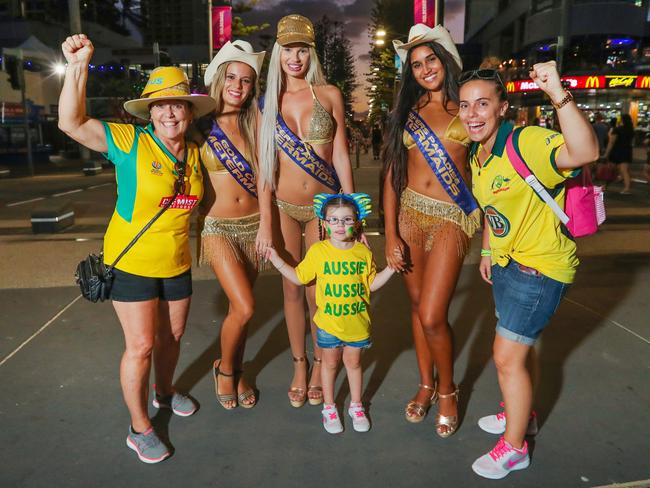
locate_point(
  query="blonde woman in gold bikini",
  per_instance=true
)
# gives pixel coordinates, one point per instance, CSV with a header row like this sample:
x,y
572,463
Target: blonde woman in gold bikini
x,y
302,154
230,212
429,220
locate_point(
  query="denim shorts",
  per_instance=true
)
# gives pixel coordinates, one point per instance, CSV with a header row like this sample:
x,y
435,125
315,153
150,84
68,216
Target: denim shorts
x,y
128,287
525,301
325,340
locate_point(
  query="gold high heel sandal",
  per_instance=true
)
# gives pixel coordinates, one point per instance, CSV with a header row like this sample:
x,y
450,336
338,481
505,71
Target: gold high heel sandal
x,y
451,421
419,410
297,390
313,388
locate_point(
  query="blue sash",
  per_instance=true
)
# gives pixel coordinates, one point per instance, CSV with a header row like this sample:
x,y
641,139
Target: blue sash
x,y
300,153
232,159
440,163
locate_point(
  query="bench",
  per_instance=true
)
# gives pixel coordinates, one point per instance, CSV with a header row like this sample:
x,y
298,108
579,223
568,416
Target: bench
x,y
51,217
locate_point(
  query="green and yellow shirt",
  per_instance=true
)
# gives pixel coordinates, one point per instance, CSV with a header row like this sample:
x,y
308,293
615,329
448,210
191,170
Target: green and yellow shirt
x,y
522,226
145,174
343,278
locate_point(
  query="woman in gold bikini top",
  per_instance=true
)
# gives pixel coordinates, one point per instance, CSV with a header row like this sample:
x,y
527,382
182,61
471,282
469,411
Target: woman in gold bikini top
x,y
314,112
423,223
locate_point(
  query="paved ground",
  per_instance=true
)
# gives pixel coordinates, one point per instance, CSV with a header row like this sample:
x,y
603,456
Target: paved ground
x,y
62,421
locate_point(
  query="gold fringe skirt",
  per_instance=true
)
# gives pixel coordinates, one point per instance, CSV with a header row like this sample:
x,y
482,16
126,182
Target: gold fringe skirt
x,y
299,213
230,239
423,220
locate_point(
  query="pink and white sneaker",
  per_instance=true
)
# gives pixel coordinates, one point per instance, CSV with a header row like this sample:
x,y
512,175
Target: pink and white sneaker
x,y
360,421
502,459
331,421
496,424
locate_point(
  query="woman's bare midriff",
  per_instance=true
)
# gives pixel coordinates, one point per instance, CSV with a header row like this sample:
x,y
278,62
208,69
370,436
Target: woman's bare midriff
x,y
224,197
294,184
421,177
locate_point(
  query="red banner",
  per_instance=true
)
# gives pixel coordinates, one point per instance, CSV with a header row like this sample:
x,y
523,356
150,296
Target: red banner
x,y
221,26
586,83
424,12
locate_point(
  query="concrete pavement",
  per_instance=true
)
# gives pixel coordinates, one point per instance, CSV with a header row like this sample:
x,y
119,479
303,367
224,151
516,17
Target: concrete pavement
x,y
63,423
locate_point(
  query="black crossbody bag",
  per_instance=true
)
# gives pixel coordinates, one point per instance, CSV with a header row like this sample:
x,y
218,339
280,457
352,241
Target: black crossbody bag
x,y
95,279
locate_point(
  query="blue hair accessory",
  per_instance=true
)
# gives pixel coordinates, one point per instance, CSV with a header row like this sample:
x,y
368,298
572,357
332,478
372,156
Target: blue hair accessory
x,y
361,201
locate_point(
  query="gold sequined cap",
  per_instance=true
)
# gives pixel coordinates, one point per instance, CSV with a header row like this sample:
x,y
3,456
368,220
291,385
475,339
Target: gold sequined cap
x,y
295,28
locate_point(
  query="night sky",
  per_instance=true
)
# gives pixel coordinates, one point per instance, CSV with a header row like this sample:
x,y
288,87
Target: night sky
x,y
355,15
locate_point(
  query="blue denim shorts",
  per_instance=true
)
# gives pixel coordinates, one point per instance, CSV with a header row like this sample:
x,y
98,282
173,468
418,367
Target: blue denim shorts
x,y
525,300
325,340
128,287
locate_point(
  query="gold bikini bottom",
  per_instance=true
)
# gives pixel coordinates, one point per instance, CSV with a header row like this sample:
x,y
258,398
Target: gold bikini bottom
x,y
299,213
230,239
423,220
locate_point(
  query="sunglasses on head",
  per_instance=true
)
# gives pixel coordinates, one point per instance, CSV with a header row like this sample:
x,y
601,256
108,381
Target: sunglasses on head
x,y
481,74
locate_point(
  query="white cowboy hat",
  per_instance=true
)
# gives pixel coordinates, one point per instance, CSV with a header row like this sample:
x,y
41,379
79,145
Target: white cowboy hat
x,y
238,50
169,83
420,33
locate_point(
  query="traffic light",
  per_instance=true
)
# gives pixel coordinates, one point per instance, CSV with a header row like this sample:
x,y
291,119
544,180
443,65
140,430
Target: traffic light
x,y
13,66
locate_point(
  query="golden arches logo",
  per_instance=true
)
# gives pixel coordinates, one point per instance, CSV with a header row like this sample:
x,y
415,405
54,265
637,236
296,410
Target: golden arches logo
x,y
593,82
510,87
645,82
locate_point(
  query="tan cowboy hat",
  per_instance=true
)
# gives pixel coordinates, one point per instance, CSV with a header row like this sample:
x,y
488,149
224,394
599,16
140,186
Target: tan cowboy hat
x,y
295,28
420,33
238,50
168,83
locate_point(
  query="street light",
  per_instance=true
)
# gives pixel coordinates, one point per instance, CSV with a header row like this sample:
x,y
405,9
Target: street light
x,y
59,69
380,42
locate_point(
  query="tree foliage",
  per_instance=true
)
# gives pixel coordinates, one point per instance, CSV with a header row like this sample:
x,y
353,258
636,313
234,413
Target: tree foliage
x,y
335,53
239,29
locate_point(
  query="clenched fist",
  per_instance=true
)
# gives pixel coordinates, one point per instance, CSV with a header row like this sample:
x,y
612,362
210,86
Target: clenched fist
x,y
77,49
547,78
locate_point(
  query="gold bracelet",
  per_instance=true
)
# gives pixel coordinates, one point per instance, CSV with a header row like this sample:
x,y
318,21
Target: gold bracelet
x,y
567,98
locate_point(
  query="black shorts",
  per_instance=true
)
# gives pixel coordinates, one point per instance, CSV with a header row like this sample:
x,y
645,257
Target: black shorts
x,y
128,287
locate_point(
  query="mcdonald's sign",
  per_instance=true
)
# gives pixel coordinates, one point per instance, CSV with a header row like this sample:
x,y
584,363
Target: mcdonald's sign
x,y
510,87
643,82
592,82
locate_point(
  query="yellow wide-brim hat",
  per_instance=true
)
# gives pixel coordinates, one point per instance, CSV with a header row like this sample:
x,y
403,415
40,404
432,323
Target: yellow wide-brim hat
x,y
295,28
169,83
240,51
420,34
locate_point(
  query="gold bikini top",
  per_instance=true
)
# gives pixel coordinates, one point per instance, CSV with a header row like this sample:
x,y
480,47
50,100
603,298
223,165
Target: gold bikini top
x,y
321,125
210,160
455,132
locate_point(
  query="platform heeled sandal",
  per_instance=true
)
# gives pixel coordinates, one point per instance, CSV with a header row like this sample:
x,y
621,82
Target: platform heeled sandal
x,y
451,421
245,395
419,410
225,398
299,392
314,388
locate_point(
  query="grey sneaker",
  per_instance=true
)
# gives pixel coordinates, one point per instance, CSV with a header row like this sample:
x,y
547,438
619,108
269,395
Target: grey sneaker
x,y
147,445
181,405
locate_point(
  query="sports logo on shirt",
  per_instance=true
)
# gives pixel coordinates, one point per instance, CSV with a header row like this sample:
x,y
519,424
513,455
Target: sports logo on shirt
x,y
498,222
499,184
156,168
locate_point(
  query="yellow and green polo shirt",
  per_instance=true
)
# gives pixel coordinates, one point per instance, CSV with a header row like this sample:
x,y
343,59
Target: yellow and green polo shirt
x,y
343,278
522,226
145,174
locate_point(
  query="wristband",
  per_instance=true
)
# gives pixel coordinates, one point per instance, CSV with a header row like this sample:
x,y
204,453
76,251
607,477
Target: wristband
x,y
567,98
486,252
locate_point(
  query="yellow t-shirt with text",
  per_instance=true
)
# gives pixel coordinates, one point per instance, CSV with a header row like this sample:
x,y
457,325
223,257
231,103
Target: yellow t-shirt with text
x,y
343,278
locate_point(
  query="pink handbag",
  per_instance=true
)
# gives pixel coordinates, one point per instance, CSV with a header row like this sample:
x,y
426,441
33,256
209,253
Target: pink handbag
x,y
584,207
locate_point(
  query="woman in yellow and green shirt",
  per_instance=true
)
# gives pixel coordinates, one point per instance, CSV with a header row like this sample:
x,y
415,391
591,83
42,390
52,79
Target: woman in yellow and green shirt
x,y
527,255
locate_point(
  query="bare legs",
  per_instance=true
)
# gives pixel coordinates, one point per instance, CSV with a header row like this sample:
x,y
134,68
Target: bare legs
x,y
152,328
352,362
624,169
237,283
294,310
430,301
516,387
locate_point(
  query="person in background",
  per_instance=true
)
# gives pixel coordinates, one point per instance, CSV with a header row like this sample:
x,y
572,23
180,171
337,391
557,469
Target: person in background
x,y
619,150
152,284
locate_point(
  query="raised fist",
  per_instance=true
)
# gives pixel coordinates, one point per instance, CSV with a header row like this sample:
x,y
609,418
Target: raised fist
x,y
547,78
77,49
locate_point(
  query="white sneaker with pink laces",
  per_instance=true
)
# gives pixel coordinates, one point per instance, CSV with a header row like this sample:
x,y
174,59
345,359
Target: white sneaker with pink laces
x,y
496,424
502,459
331,421
360,422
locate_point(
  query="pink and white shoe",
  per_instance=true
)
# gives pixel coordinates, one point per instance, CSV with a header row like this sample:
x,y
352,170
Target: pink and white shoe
x,y
331,421
501,460
360,421
496,424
